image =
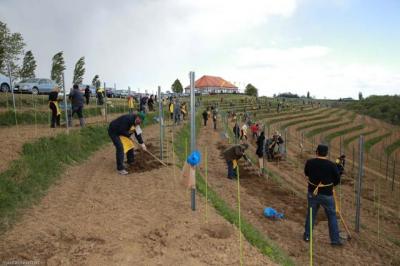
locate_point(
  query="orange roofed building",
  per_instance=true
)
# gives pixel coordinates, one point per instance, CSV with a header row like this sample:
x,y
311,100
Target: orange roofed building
x,y
211,84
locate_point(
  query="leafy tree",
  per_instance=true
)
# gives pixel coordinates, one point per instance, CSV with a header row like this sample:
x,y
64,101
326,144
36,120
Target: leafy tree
x,y
360,96
251,90
288,95
79,71
177,86
58,68
28,66
11,48
96,81
308,95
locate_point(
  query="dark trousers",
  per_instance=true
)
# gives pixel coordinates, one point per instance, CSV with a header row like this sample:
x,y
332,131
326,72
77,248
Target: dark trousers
x,y
120,151
87,99
215,124
328,203
55,119
77,110
231,171
205,122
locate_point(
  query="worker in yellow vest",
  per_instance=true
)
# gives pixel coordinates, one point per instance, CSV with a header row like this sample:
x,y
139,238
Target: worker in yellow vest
x,y
54,107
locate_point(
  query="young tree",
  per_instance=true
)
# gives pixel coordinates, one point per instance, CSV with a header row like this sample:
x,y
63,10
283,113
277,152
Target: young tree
x,y
308,95
177,86
28,66
360,96
79,71
96,81
251,90
11,48
58,68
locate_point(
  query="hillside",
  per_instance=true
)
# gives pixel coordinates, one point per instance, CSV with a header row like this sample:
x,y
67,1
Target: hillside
x,y
385,107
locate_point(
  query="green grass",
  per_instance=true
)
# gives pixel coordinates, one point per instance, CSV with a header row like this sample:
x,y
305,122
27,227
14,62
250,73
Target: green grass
x,y
347,141
319,130
392,147
299,114
41,163
371,142
320,122
253,236
30,117
308,118
336,134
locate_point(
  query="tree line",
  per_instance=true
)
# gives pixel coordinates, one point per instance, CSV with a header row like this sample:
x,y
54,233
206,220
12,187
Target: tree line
x,y
12,50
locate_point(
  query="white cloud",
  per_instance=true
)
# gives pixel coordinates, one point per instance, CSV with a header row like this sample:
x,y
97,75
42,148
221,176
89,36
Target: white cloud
x,y
309,68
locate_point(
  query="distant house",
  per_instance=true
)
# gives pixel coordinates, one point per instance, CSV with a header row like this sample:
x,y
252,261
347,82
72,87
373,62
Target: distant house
x,y
211,84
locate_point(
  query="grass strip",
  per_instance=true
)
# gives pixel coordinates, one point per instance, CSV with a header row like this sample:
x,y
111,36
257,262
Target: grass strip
x,y
392,147
307,118
253,236
347,141
371,142
319,130
297,115
42,163
28,117
336,134
319,122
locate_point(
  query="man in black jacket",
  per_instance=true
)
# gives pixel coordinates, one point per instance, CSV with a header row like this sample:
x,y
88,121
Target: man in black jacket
x,y
322,175
77,102
125,125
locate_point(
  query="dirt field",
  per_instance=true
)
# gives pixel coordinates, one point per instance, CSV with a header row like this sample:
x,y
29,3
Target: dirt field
x,y
289,196
93,216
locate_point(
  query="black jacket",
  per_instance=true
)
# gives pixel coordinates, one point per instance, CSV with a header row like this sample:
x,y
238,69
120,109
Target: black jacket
x,y
321,171
122,126
76,98
260,145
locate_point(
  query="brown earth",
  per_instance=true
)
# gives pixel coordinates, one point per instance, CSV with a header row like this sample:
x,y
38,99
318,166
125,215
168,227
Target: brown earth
x,y
14,137
287,194
93,216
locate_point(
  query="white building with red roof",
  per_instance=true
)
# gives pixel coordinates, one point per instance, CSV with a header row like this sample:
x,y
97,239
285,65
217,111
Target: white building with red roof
x,y
212,84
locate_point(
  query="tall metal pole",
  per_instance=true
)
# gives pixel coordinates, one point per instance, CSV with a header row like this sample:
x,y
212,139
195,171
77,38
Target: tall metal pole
x,y
360,174
12,92
192,131
161,119
65,104
105,102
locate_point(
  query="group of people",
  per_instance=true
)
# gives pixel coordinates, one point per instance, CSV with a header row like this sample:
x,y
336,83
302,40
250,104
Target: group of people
x,y
210,113
77,102
177,110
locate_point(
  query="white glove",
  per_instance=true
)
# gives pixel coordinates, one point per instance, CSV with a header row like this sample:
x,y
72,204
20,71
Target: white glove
x,y
143,147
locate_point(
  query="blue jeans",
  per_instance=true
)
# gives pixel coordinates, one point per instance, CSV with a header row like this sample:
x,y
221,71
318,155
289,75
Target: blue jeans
x,y
231,171
328,203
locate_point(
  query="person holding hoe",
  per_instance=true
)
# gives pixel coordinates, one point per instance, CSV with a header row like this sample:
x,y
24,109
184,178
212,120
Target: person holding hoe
x,y
232,155
322,175
120,132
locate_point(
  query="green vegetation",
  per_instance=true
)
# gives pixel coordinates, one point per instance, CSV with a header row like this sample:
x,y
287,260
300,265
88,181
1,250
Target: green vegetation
x,y
309,119
336,134
386,108
347,141
42,163
319,130
392,147
30,117
28,66
57,68
177,86
369,143
79,71
255,237
309,112
251,90
320,122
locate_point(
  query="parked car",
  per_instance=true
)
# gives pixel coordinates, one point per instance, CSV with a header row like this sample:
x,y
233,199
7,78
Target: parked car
x,y
35,86
121,93
110,92
4,83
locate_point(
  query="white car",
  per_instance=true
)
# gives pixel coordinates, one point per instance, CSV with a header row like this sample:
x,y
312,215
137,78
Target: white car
x,y
4,83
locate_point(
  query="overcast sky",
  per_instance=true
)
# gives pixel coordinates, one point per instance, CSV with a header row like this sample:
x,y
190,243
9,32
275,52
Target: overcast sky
x,y
332,48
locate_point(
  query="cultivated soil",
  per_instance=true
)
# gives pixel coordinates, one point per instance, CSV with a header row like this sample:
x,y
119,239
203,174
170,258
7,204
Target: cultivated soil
x,y
93,216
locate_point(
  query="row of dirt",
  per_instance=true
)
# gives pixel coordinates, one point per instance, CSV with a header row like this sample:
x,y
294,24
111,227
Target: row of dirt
x,y
93,216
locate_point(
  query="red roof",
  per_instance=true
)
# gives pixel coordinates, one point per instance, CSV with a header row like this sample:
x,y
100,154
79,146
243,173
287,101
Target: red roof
x,y
211,81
